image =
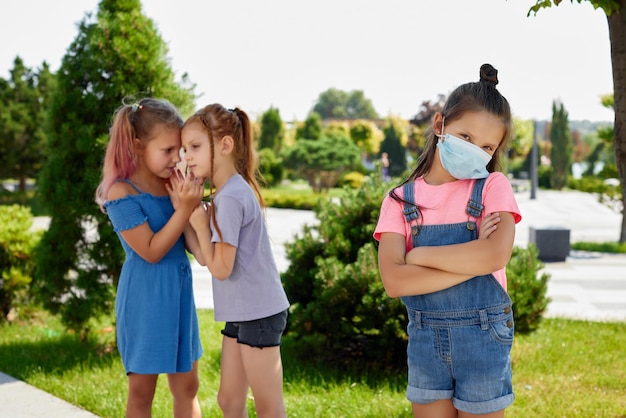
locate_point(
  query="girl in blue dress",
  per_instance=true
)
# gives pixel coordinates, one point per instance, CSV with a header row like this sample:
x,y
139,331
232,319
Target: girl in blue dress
x,y
157,326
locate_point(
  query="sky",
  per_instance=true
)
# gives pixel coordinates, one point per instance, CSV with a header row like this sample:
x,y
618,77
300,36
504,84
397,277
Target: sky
x,y
283,53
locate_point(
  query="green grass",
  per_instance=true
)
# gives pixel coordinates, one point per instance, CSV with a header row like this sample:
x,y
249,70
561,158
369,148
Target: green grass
x,y
565,369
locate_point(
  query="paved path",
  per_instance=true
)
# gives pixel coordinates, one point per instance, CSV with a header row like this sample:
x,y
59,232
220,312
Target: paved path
x,y
585,286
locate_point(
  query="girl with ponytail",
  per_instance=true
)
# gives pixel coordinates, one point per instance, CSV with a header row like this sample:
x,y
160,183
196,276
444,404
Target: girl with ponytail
x,y
234,245
445,236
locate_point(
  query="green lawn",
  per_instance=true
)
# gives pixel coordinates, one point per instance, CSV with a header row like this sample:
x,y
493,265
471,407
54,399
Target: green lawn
x,y
565,369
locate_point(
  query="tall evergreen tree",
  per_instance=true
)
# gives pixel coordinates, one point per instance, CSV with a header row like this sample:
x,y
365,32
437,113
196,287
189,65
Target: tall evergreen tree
x,y
311,128
116,55
272,130
562,146
25,97
392,145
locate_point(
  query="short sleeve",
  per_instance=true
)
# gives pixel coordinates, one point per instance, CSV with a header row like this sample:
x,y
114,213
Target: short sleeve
x,y
125,213
229,217
498,196
390,219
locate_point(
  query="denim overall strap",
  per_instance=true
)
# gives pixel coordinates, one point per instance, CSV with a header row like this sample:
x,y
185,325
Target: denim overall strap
x,y
445,234
474,205
411,211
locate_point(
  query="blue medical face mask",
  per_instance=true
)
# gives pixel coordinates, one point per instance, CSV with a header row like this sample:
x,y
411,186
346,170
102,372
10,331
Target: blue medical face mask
x,y
462,159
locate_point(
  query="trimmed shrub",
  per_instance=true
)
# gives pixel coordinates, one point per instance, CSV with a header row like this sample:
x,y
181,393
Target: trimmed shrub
x,y
16,245
340,311
527,288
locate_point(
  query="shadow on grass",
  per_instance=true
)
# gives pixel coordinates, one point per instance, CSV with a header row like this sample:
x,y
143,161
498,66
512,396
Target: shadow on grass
x,y
318,371
55,354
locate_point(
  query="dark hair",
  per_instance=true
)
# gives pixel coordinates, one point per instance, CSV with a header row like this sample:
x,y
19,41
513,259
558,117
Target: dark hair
x,y
475,96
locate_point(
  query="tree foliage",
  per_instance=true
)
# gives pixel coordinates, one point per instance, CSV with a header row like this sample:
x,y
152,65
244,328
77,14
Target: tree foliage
x,y
116,55
272,130
340,311
561,150
427,110
366,135
17,241
616,18
527,287
339,104
395,135
321,162
24,99
311,128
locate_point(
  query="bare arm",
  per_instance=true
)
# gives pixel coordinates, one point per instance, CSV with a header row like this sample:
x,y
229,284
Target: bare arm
x,y
478,257
402,279
153,246
219,257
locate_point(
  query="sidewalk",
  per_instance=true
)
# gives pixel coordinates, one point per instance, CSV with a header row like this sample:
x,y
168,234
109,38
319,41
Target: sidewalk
x,y
585,286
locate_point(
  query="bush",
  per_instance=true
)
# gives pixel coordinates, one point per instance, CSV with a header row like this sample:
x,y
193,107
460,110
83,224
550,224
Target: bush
x,y
544,176
340,311
305,201
527,288
352,179
607,193
600,247
16,244
271,167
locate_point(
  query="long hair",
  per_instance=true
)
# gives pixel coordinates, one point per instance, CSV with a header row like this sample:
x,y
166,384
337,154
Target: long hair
x,y
137,120
219,122
476,96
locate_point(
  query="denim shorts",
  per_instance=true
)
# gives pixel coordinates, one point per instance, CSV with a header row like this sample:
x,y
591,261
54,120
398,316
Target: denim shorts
x,y
264,332
461,355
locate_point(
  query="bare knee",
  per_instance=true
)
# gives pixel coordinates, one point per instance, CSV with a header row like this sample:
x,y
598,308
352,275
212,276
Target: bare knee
x,y
184,386
141,390
232,405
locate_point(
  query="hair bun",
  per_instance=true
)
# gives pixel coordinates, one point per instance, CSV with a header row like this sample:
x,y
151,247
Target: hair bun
x,y
488,74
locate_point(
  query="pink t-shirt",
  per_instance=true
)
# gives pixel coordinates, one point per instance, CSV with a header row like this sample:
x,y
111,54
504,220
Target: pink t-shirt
x,y
446,204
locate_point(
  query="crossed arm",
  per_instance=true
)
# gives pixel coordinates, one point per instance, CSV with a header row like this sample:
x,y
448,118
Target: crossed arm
x,y
429,269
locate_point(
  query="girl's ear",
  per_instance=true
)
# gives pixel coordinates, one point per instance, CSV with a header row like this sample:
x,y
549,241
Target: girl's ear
x,y
137,145
438,123
227,144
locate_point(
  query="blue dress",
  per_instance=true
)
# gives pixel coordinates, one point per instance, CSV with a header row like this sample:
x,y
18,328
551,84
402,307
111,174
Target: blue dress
x,y
157,325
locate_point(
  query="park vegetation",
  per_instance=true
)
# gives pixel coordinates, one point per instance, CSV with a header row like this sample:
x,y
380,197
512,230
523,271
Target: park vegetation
x,y
53,131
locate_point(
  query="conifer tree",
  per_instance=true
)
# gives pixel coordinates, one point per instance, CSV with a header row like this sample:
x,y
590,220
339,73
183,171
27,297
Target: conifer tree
x,y
272,130
24,99
392,145
117,55
561,151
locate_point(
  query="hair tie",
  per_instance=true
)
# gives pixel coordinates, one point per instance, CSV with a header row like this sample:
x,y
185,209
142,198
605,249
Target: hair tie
x,y
136,106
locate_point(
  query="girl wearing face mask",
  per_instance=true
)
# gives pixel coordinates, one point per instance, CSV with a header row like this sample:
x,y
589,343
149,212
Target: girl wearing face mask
x,y
445,236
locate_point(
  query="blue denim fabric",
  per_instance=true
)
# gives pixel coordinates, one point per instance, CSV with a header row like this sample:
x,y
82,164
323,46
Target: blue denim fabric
x,y
460,338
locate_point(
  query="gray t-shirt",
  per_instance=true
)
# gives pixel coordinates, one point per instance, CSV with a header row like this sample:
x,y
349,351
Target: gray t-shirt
x,y
253,290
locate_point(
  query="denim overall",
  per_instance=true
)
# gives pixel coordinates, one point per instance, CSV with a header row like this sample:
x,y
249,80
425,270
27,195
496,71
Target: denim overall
x,y
460,338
